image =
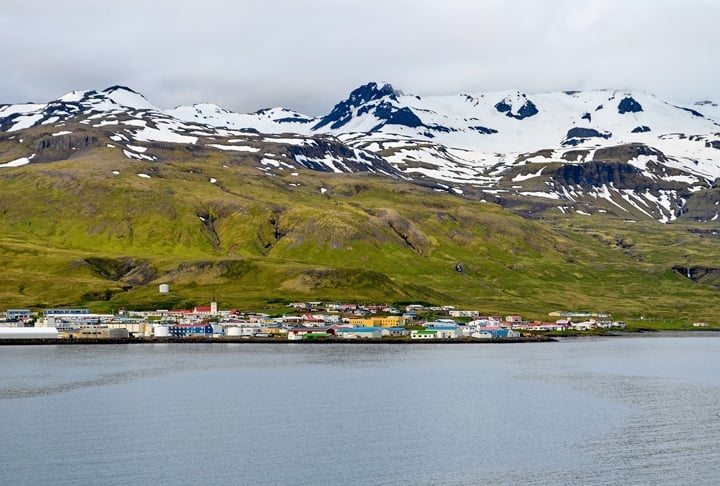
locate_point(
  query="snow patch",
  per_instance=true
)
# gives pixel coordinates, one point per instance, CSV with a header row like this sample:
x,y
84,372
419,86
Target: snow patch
x,y
133,155
234,148
546,195
274,163
144,176
524,177
156,135
105,122
18,162
26,122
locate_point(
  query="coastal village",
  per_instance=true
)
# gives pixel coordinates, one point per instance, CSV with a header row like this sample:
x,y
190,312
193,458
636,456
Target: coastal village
x,y
303,321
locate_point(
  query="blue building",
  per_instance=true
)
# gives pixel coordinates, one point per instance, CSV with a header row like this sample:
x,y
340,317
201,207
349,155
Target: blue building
x,y
17,314
187,330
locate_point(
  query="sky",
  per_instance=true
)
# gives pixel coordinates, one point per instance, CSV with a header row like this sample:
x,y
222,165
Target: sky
x,y
307,55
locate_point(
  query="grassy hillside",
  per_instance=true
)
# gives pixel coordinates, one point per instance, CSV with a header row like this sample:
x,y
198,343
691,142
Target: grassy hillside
x,y
89,231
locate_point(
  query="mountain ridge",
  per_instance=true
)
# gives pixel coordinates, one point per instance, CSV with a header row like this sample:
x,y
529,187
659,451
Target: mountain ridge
x,y
500,145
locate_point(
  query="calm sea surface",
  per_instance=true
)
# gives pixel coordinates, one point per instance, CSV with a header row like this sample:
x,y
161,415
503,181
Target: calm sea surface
x,y
622,410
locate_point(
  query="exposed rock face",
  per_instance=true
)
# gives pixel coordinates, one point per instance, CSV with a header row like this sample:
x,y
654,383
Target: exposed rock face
x,y
596,174
700,274
50,149
344,158
577,135
527,110
629,105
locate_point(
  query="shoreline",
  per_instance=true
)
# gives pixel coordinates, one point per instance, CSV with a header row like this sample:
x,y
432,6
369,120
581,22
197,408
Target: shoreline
x,y
239,340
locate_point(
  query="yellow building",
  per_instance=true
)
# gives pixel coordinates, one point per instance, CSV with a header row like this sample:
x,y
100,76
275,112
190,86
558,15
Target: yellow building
x,y
389,321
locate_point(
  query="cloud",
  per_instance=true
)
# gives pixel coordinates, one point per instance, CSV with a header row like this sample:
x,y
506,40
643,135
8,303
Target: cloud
x,y
307,55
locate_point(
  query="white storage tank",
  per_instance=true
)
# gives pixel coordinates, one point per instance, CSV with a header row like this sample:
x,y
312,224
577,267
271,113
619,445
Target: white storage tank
x,y
161,331
164,288
28,333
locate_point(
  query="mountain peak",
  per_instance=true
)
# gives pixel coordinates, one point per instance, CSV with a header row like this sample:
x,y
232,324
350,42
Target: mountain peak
x,y
372,91
124,96
342,112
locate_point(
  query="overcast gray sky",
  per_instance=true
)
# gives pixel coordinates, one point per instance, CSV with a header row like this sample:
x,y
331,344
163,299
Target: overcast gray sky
x,y
309,54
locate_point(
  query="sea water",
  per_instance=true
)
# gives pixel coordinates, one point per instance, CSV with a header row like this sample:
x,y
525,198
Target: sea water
x,y
617,410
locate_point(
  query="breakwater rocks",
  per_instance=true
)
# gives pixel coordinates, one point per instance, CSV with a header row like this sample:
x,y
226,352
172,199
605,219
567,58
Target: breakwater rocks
x,y
254,340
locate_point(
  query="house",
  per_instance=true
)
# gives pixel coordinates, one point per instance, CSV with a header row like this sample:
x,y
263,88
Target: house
x,y
464,313
395,331
426,334
274,329
444,331
299,333
289,319
313,319
494,332
360,333
312,335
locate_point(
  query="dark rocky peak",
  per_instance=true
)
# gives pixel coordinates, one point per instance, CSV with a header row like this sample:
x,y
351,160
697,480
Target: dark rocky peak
x,y
641,129
342,113
629,105
371,91
118,87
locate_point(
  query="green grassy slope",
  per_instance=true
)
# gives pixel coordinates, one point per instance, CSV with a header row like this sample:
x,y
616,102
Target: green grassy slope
x,y
74,233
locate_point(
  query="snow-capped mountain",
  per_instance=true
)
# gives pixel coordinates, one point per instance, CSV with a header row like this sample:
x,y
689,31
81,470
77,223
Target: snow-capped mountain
x,y
603,151
133,125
